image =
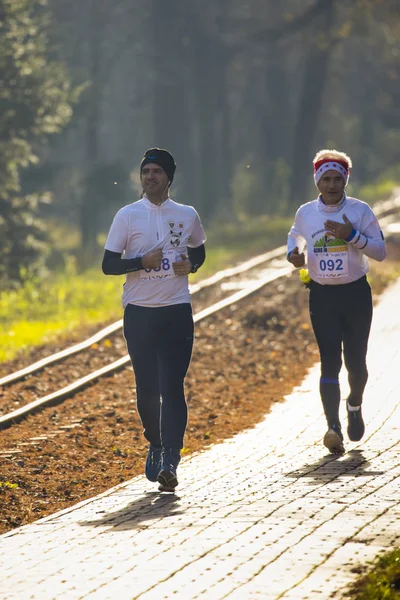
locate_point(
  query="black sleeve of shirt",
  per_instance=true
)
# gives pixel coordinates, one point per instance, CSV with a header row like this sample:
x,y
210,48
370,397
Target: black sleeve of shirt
x,y
197,256
113,264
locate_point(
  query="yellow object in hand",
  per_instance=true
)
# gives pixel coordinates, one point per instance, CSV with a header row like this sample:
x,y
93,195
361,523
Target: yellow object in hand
x,y
304,276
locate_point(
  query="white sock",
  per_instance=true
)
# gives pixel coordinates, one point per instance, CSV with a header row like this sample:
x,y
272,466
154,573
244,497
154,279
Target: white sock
x,y
351,408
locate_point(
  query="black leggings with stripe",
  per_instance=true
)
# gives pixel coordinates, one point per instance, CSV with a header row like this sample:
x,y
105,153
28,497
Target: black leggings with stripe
x,y
341,319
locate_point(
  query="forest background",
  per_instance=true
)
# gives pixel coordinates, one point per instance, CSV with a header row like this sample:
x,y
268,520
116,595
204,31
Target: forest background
x,y
242,92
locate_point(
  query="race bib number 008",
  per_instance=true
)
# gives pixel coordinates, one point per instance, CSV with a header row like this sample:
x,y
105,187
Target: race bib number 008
x,y
164,271
332,264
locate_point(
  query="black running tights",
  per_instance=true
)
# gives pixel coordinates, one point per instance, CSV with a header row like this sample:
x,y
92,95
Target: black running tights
x,y
341,318
160,342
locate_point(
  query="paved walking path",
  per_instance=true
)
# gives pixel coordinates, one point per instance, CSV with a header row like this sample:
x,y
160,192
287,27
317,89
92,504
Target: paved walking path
x,y
264,515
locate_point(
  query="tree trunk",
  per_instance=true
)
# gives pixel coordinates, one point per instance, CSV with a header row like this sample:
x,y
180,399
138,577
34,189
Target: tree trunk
x,y
169,91
210,116
89,209
309,108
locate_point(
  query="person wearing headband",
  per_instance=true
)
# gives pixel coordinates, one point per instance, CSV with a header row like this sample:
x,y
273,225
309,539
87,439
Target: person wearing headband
x,y
156,243
335,235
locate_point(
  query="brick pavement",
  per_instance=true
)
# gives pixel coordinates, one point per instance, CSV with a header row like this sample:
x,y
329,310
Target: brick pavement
x,y
266,514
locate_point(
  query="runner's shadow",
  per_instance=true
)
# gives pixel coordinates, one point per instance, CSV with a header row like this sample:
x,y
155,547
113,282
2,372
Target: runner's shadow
x,y
149,507
351,464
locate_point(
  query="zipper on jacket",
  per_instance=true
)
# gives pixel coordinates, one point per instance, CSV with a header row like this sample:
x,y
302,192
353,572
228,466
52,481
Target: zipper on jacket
x,y
159,224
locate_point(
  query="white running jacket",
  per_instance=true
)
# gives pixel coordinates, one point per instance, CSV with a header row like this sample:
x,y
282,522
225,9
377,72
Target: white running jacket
x,y
143,226
333,261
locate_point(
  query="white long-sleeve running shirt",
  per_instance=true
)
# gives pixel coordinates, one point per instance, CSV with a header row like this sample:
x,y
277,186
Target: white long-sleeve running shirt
x,y
332,261
143,226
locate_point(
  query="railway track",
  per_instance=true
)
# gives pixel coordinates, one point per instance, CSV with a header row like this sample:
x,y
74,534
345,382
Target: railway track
x,y
24,388
24,393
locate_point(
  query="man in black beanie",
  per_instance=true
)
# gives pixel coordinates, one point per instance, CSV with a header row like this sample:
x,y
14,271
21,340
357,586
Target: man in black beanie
x,y
161,157
161,242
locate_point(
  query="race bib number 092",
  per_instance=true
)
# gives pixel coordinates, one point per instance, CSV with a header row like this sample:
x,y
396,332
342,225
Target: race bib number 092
x,y
332,264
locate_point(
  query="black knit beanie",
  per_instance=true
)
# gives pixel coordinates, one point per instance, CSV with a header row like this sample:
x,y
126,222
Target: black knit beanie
x,y
161,157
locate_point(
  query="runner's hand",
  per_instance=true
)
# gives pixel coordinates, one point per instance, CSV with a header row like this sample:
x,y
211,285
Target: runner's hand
x,y
152,260
339,230
183,266
296,259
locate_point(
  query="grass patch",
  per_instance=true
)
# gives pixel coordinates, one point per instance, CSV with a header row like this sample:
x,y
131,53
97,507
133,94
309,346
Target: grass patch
x,y
42,311
382,582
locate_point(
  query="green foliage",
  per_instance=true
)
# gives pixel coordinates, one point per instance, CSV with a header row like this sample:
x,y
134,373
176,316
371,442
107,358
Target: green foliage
x,y
105,188
382,582
40,311
383,188
250,234
247,188
35,98
258,188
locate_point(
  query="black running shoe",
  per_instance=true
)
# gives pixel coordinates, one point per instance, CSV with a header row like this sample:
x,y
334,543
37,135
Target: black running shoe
x,y
355,424
167,478
333,440
153,463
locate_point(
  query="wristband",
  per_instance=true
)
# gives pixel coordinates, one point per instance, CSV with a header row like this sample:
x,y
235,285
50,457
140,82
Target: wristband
x,y
352,234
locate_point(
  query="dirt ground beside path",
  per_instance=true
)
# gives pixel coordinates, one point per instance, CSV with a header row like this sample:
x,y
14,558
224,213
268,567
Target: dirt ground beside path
x,y
246,357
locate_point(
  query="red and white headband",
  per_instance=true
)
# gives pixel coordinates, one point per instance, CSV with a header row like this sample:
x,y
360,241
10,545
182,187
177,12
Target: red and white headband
x,y
328,164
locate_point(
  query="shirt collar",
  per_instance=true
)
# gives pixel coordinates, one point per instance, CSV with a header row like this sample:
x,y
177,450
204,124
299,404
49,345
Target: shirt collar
x,y
331,207
152,206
